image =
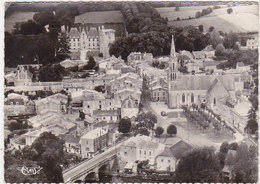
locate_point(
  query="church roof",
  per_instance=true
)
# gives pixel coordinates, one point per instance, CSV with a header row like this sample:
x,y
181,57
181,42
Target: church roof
x,y
202,82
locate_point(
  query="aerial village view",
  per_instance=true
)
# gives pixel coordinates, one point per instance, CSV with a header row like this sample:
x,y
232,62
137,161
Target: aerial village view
x,y
117,92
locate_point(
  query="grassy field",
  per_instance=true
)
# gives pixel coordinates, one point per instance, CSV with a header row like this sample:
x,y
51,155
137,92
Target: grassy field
x,y
17,17
243,19
100,17
184,12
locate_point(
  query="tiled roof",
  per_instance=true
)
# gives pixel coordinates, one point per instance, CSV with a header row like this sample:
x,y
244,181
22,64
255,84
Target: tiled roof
x,y
167,153
179,148
183,57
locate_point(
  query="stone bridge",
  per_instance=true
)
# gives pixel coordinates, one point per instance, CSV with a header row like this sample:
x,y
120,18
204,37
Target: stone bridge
x,y
92,168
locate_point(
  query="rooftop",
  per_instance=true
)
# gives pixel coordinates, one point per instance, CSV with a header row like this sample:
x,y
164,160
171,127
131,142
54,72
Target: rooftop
x,y
93,134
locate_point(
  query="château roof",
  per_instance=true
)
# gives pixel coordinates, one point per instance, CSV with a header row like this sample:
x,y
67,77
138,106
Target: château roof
x,y
74,32
93,32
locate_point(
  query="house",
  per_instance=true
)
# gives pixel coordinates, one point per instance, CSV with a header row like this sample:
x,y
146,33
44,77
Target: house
x,y
122,94
158,93
130,107
169,158
140,148
203,54
49,119
242,67
18,142
252,43
210,65
32,135
72,144
138,56
47,105
93,141
193,67
107,115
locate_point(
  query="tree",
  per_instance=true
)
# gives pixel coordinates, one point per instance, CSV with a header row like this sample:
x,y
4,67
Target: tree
x,y
124,125
229,10
81,115
100,88
211,28
233,146
171,129
145,122
201,28
31,28
198,165
220,49
159,131
44,17
224,147
243,164
50,152
91,64
51,73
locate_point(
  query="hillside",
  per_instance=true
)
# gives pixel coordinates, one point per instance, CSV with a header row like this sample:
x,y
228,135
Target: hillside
x,y
243,18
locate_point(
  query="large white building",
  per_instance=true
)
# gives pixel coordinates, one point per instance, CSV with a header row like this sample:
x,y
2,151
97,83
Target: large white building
x,y
83,40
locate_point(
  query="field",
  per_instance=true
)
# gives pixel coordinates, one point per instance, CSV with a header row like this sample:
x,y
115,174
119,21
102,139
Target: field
x,y
183,13
243,19
100,17
17,17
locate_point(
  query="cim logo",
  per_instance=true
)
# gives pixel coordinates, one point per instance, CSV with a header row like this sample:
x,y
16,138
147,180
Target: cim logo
x,y
30,170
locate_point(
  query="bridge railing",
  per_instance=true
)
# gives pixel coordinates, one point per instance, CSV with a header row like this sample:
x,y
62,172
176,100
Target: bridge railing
x,y
90,168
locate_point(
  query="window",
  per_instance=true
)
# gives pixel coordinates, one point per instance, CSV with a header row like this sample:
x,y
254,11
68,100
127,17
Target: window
x,y
140,152
100,106
110,103
183,98
144,152
125,153
88,106
161,160
111,117
17,103
163,93
215,101
150,153
169,161
192,98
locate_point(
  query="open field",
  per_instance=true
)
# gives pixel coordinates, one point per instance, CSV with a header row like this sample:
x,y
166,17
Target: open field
x,y
184,12
100,17
17,17
243,19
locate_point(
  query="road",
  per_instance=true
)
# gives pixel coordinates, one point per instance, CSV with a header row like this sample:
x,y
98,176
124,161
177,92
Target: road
x,y
90,163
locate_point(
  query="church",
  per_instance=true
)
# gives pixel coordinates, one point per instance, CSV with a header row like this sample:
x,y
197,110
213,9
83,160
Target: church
x,y
186,89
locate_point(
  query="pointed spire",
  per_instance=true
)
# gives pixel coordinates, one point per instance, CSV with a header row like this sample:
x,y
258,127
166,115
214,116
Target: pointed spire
x,y
173,53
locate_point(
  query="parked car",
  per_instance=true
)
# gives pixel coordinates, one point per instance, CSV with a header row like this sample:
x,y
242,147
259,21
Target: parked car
x,y
163,113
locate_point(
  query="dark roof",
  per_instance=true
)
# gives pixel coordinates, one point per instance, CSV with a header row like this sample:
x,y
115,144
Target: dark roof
x,y
167,153
179,148
210,63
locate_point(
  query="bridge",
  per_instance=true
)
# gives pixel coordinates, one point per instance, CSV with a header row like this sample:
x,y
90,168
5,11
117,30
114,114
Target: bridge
x,y
90,169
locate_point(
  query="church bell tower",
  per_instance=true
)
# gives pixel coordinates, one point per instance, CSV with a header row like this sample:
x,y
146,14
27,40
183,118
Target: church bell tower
x,y
173,64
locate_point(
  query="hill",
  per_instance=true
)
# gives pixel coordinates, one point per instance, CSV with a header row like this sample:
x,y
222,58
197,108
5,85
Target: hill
x,y
243,18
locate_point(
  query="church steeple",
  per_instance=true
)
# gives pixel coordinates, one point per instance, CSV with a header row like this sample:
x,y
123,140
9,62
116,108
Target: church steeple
x,y
173,64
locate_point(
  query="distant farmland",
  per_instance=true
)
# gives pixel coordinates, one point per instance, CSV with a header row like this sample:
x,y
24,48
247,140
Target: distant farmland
x,y
100,17
17,17
243,19
183,13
